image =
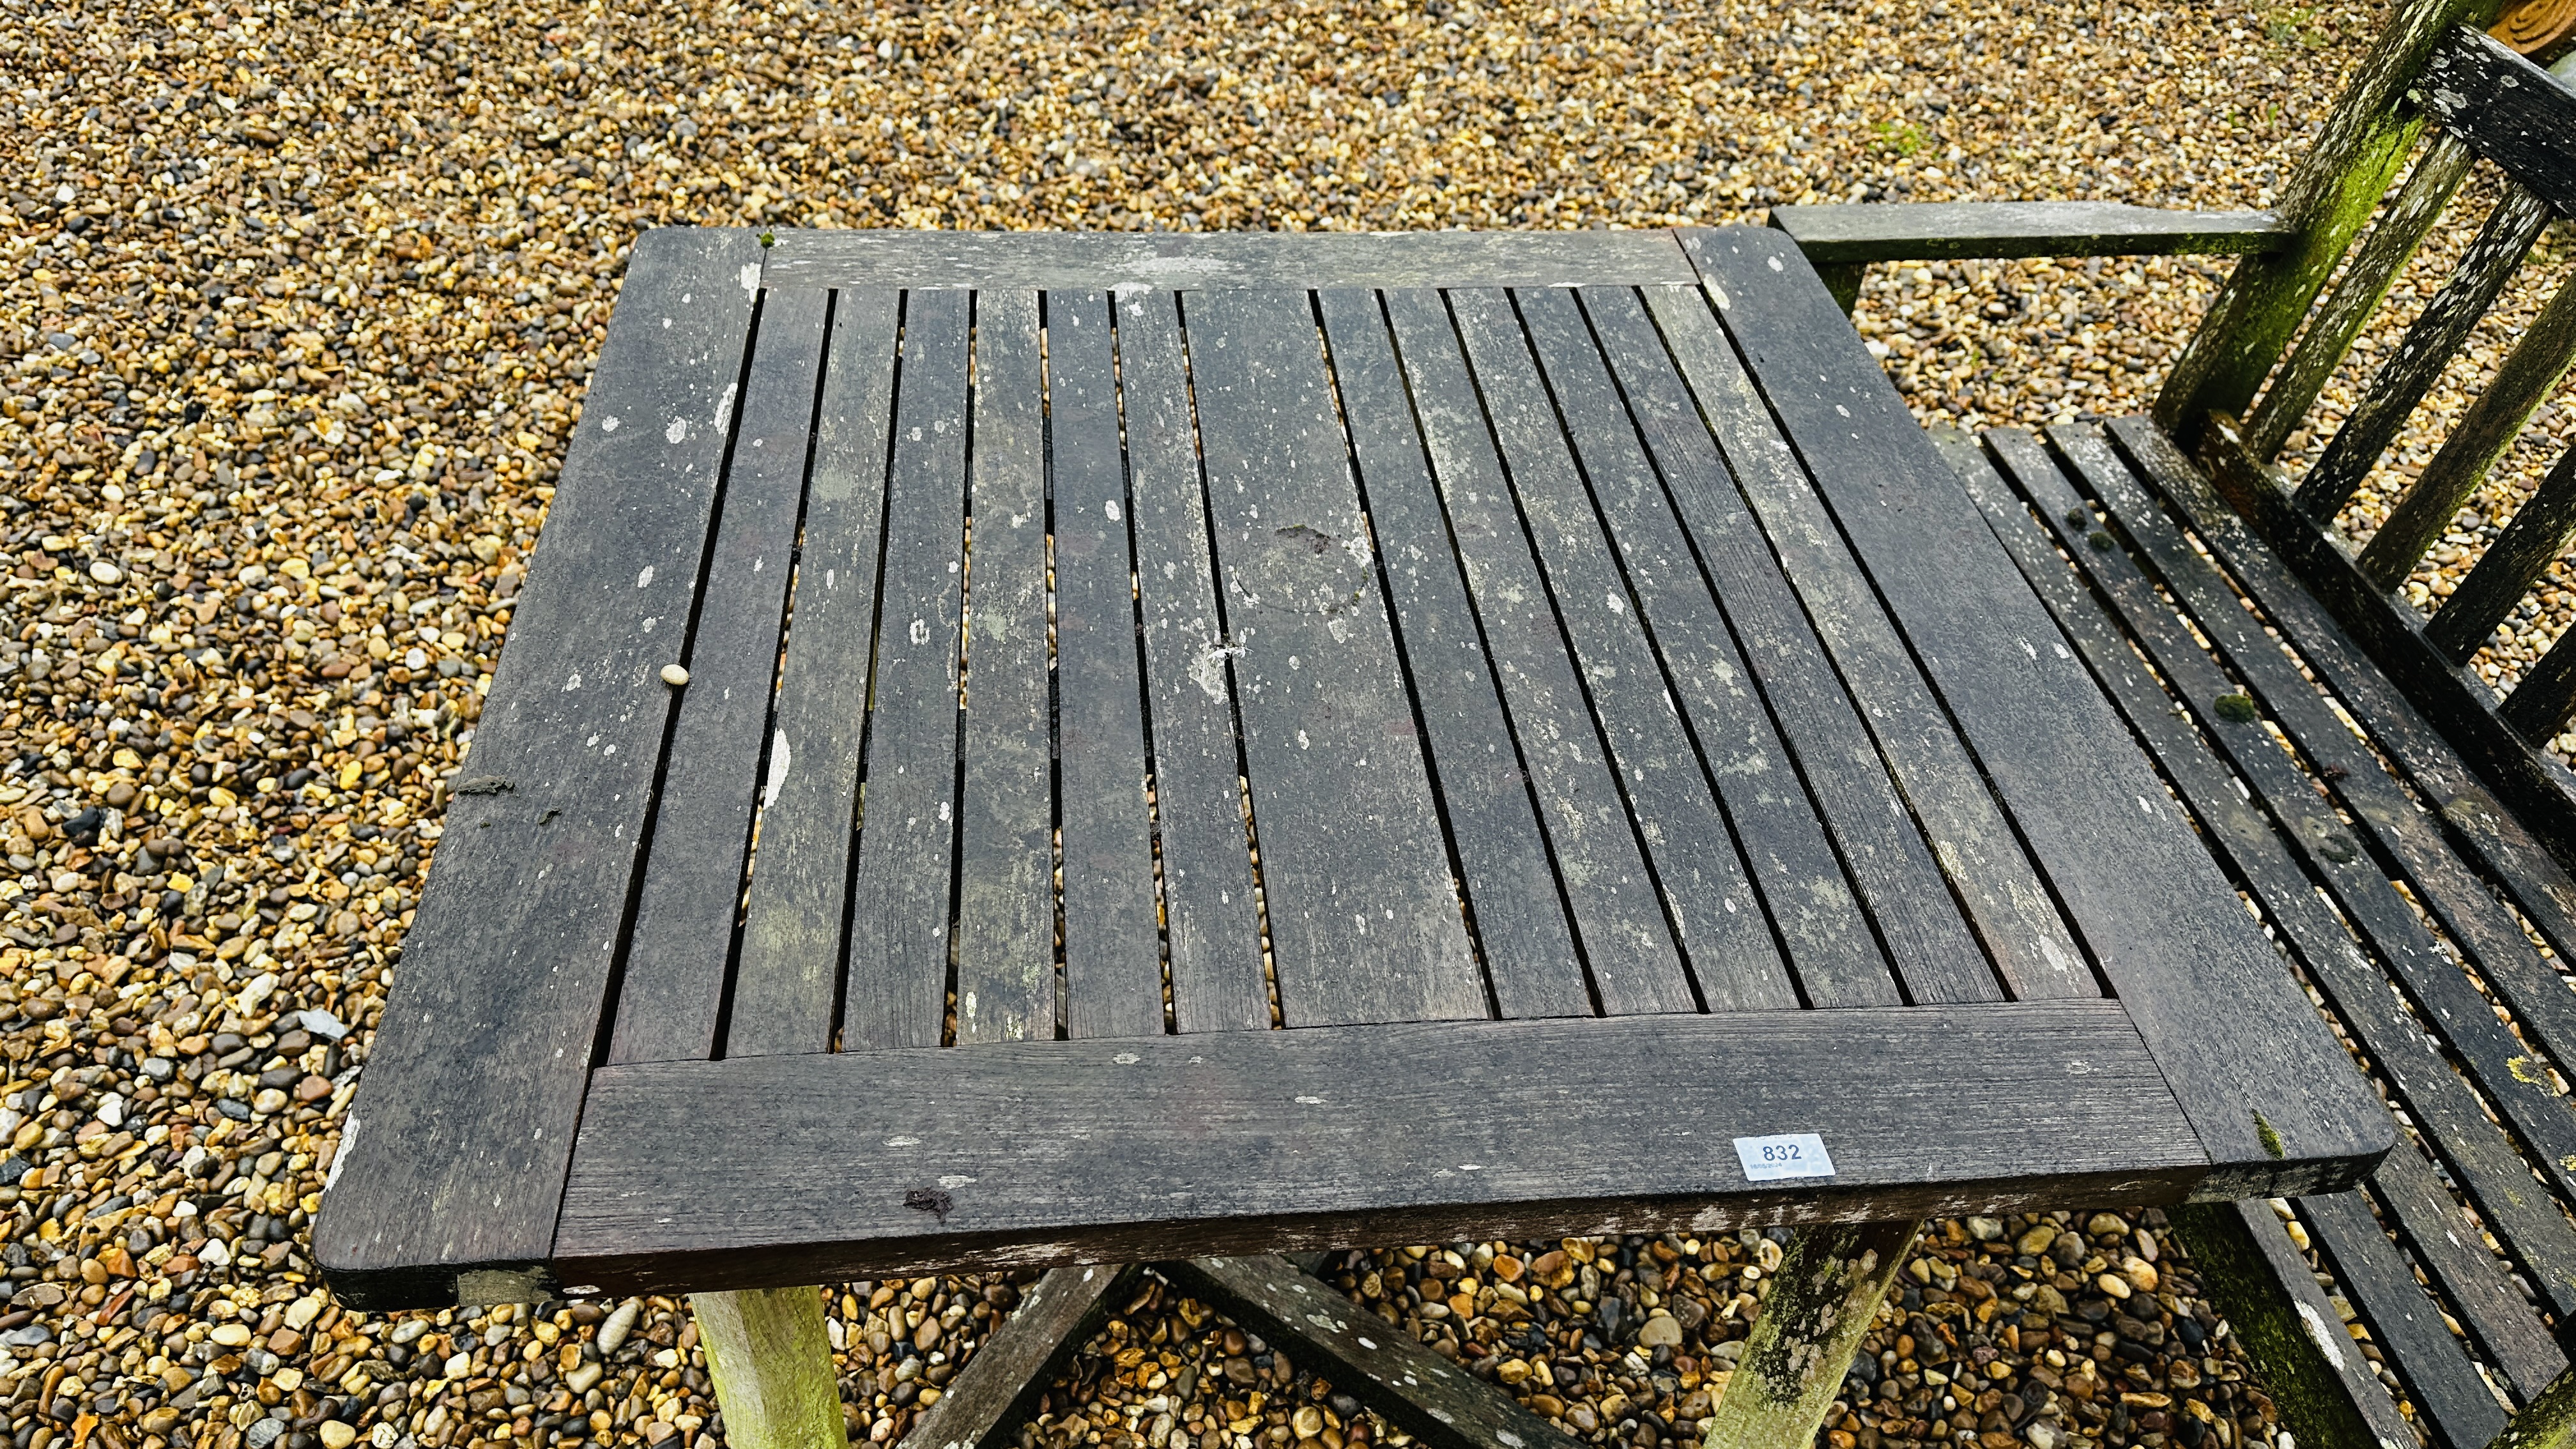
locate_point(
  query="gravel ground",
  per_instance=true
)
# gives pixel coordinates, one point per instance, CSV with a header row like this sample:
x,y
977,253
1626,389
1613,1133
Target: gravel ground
x,y
297,315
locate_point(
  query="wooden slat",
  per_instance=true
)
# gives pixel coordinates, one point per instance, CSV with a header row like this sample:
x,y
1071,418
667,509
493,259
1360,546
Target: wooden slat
x,y
2356,294
2421,1079
2430,340
1933,949
1213,934
984,1405
1690,843
673,989
2006,903
1522,930
2505,573
2480,1156
1827,935
1104,261
453,1156
2539,706
2490,1053
2328,198
2230,1028
895,980
2455,1401
2500,1320
1636,965
1429,1397
1237,1142
1112,947
2254,1275
2455,894
2509,110
788,973
1005,959
1839,234
2521,384
1364,921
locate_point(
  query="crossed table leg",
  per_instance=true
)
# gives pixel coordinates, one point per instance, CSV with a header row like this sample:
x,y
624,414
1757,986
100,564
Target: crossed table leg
x,y
774,1374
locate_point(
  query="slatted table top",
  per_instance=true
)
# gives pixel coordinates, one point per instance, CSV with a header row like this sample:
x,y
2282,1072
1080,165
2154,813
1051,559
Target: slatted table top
x,y
1231,743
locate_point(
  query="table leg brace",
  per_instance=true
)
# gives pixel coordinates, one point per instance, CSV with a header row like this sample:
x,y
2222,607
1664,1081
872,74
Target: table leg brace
x,y
1826,1291
775,1375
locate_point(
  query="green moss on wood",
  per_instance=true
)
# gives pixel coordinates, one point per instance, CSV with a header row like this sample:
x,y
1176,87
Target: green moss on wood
x,y
2237,709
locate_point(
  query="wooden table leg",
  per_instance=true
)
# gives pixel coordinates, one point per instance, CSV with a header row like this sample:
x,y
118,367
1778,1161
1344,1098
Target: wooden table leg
x,y
775,1375
1826,1291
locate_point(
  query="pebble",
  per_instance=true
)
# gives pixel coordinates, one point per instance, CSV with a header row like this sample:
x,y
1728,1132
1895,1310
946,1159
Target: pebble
x,y
674,676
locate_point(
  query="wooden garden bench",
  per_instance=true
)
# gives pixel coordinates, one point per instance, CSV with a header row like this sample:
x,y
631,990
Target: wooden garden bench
x,y
2413,842
1384,737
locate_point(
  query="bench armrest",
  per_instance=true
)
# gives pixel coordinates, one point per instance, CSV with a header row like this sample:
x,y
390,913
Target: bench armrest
x,y
1945,231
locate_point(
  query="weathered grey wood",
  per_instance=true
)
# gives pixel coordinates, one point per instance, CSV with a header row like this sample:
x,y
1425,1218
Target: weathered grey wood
x,y
1933,949
776,1379
2324,342
2510,566
2521,384
1364,920
672,993
1416,1390
1236,1142
787,975
1826,934
1212,932
1843,233
2508,109
2413,1061
2499,1319
2006,903
2255,1277
1690,843
2404,1320
2230,1028
1523,932
1636,965
896,975
2539,706
2337,185
2430,340
984,1405
1104,261
453,1157
1112,949
2491,1054
1824,1297
1005,961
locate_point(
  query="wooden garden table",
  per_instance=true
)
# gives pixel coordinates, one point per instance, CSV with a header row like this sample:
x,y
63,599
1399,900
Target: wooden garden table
x,y
1219,744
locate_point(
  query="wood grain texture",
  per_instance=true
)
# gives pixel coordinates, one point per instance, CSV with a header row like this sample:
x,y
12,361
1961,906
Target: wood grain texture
x,y
984,1405
1106,261
1634,962
1212,932
1827,936
2499,1319
1926,937
1843,233
1006,982
1113,953
453,1157
1237,1142
896,978
2258,1072
1364,918
2508,109
1699,863
2404,1320
788,970
2006,902
1524,935
673,989
2505,573
2230,808
1418,1391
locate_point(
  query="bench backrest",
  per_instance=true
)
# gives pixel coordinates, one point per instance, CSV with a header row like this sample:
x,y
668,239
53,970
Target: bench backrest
x,y
2438,90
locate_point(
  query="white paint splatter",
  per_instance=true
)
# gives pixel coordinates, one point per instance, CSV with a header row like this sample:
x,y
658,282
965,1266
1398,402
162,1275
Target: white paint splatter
x,y
572,684
340,1158
608,425
2325,1337
644,580
777,771
1111,508
678,429
751,278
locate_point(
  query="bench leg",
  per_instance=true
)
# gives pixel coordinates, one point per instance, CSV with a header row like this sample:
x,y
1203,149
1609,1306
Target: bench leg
x,y
775,1376
2547,1422
1827,1290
